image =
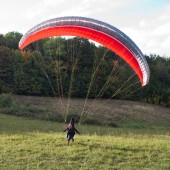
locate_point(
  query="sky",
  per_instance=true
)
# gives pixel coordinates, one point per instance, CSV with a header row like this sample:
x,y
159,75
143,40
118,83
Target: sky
x,y
146,22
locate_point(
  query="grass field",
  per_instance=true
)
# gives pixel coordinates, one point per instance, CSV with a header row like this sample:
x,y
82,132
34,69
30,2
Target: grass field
x,y
36,144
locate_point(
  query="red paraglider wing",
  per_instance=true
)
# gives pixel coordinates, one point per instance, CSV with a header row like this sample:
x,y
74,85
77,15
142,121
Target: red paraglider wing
x,y
125,48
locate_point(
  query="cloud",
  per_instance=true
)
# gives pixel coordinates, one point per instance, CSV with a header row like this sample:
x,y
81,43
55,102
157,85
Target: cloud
x,y
166,44
99,9
152,34
162,30
148,25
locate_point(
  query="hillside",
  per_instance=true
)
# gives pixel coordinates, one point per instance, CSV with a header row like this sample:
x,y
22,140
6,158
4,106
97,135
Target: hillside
x,y
141,140
103,110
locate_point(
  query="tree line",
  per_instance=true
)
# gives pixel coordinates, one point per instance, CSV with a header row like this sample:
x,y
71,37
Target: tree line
x,y
76,67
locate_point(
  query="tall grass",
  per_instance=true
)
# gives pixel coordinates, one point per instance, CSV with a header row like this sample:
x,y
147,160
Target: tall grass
x,y
35,144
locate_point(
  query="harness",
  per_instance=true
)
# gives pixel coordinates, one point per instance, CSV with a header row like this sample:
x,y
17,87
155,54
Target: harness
x,y
70,128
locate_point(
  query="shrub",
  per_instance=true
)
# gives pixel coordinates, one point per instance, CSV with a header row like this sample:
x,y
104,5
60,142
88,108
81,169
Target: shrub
x,y
5,101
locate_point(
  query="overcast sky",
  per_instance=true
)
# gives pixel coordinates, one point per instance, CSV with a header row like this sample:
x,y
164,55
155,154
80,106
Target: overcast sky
x,y
146,22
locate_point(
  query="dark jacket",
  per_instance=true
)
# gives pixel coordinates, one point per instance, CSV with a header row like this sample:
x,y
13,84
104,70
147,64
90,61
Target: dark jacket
x,y
71,131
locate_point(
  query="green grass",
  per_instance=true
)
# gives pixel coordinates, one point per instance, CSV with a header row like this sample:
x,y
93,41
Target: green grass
x,y
35,144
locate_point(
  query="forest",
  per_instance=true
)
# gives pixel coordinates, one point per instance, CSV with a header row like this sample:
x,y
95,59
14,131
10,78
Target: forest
x,y
78,68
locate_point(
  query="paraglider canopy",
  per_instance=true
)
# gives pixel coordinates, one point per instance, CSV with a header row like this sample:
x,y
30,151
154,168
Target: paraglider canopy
x,y
101,32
